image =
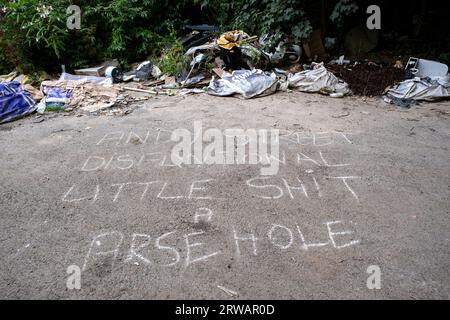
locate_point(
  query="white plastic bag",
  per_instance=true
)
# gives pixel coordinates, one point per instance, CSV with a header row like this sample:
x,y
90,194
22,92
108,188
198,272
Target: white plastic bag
x,y
248,83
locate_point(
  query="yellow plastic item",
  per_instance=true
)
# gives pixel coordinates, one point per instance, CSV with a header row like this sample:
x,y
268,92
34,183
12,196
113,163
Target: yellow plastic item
x,y
231,39
8,77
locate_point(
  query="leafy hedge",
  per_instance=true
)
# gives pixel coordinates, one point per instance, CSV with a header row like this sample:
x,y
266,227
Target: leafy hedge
x,y
34,35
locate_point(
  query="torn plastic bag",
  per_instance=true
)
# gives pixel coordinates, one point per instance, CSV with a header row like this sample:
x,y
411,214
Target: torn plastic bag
x,y
197,59
404,103
426,89
319,79
144,70
14,102
56,92
193,80
248,83
207,46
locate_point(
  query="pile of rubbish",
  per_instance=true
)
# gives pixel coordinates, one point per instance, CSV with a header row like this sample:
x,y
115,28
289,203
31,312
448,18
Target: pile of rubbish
x,y
90,94
368,79
232,64
427,81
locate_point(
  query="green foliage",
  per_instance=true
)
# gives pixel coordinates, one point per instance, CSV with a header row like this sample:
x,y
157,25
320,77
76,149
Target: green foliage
x,y
34,35
343,9
3,63
172,59
34,32
281,20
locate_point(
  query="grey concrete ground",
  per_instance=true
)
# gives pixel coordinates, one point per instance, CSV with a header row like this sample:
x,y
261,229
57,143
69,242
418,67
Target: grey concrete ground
x,y
360,183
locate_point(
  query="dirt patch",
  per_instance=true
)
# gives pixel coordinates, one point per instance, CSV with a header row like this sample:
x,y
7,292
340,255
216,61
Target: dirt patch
x,y
368,80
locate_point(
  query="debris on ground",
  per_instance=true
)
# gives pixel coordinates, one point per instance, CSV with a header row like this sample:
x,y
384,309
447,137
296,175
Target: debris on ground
x,y
367,79
421,89
247,83
401,102
35,93
230,292
91,79
15,102
98,71
8,77
115,73
80,94
145,71
425,68
426,81
232,63
55,99
319,79
233,39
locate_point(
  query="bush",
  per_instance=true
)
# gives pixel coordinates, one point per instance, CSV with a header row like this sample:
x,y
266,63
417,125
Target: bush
x,y
172,60
33,33
281,20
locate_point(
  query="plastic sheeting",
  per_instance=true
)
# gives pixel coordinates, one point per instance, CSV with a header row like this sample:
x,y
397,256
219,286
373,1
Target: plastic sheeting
x,y
426,89
248,83
319,79
14,102
93,79
207,46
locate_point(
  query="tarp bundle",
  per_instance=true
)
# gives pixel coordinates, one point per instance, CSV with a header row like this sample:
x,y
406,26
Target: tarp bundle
x,y
248,83
319,79
14,102
426,89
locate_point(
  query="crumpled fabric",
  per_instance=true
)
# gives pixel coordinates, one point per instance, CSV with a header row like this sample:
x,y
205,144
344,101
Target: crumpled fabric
x,y
14,102
231,39
426,89
247,83
319,79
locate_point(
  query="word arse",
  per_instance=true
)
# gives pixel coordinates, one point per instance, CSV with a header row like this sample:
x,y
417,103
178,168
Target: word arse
x,y
163,250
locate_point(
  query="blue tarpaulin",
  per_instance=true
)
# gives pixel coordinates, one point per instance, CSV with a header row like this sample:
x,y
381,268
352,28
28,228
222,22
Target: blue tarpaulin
x,y
14,102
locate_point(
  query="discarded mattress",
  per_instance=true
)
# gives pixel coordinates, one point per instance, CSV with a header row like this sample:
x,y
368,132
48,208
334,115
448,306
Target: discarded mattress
x,y
319,79
248,83
426,89
14,102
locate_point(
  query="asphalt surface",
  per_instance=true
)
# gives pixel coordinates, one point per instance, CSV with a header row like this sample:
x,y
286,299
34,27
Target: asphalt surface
x,y
360,184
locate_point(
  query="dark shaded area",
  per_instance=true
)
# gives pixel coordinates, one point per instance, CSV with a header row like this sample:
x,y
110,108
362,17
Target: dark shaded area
x,y
408,28
368,79
137,30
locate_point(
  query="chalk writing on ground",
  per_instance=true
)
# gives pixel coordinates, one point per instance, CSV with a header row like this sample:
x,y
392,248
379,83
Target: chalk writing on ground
x,y
320,172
